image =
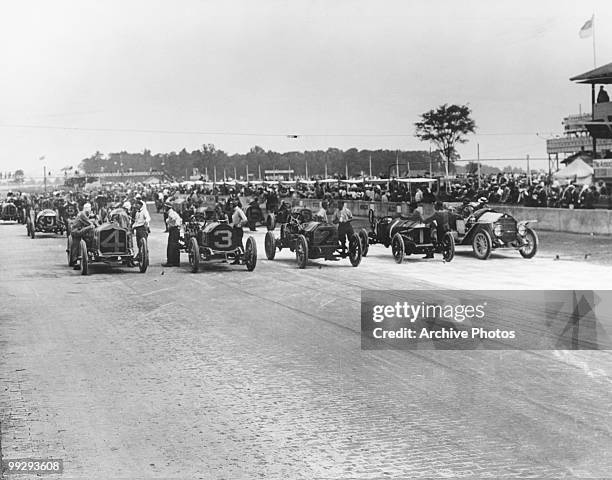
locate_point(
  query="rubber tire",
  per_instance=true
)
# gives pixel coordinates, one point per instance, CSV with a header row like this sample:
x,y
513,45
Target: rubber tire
x,y
194,255
301,244
68,248
84,262
144,252
250,254
449,240
484,235
371,216
270,245
398,248
531,254
271,222
365,242
355,250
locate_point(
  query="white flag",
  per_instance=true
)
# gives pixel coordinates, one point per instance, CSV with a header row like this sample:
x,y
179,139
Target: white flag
x,y
587,29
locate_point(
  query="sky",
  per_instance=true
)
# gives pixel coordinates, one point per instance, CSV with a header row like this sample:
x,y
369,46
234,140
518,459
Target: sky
x,y
83,76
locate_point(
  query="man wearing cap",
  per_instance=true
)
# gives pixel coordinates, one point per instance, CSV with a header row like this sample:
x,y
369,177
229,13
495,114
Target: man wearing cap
x,y
79,227
173,222
321,215
141,222
239,220
442,218
343,218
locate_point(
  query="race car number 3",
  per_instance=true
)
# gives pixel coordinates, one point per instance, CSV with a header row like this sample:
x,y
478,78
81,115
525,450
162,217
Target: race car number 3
x,y
32,465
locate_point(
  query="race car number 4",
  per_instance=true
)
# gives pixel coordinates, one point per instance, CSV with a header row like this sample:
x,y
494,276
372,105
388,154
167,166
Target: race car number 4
x,y
32,465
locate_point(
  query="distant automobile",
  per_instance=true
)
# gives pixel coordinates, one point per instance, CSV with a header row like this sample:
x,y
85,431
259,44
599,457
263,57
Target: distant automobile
x,y
311,239
46,220
9,212
256,217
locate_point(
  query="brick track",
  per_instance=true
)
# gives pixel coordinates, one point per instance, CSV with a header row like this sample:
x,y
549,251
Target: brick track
x,y
230,374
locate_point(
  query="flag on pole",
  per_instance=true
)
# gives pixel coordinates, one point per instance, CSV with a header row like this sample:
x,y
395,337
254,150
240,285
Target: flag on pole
x,y
42,158
587,29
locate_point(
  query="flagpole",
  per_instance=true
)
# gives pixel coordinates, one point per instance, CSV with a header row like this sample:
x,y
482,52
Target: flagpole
x,y
594,57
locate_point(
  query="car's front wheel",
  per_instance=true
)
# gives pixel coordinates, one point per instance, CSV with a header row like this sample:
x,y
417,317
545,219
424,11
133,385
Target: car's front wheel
x,y
270,245
301,251
397,248
531,244
194,255
482,244
448,247
250,254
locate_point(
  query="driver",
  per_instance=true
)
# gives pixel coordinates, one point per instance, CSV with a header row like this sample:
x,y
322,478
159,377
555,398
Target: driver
x,y
80,225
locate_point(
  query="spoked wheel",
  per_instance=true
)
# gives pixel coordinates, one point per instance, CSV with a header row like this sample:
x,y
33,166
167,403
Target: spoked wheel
x,y
371,216
143,261
68,249
365,242
271,222
531,248
250,254
194,255
397,248
270,245
482,245
84,258
448,247
354,251
301,251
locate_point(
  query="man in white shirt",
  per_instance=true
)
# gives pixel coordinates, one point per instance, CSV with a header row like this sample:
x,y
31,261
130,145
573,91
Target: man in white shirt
x,y
141,222
343,218
173,222
239,220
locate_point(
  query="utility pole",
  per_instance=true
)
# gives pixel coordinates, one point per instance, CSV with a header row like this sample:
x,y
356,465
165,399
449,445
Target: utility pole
x,y
45,176
370,166
397,163
528,171
478,155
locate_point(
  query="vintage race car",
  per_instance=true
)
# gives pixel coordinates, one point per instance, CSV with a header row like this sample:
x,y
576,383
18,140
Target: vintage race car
x,y
206,238
407,236
111,243
311,239
44,221
486,230
256,216
9,212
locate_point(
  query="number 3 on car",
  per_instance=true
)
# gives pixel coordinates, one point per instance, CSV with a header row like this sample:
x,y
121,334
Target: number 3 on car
x,y
223,239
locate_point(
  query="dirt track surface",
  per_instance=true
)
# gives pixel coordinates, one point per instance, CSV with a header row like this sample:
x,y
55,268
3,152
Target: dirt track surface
x,y
231,374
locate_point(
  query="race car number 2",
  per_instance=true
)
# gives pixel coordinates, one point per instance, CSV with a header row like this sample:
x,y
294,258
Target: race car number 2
x,y
32,465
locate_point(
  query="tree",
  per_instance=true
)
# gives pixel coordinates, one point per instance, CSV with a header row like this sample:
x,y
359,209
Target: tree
x,y
18,176
471,168
445,127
